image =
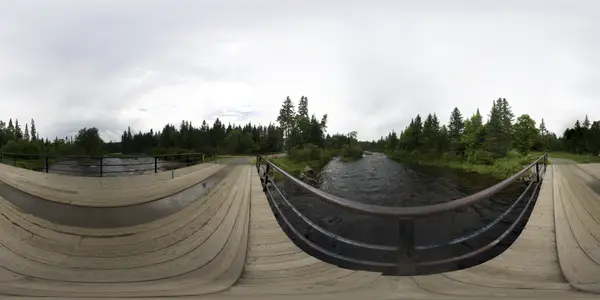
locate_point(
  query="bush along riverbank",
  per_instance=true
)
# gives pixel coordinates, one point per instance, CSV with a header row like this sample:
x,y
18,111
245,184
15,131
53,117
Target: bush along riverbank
x,y
500,146
501,168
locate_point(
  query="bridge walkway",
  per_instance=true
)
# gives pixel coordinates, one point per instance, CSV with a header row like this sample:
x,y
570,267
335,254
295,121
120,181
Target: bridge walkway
x,y
227,244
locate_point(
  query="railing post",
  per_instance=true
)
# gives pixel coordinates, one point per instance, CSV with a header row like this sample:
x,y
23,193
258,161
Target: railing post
x,y
156,164
172,166
189,162
406,246
46,164
537,171
265,177
1,158
101,166
14,160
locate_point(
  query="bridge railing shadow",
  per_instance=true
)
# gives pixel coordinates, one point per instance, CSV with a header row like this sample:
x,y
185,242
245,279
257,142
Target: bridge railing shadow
x,y
402,256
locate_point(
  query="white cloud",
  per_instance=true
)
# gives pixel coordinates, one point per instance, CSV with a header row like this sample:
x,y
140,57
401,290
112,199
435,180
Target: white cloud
x,y
370,65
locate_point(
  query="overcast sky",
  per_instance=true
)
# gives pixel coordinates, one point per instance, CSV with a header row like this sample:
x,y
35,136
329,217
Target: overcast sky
x,y
370,65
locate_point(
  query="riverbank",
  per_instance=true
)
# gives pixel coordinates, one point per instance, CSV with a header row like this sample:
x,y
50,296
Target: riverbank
x,y
501,169
315,158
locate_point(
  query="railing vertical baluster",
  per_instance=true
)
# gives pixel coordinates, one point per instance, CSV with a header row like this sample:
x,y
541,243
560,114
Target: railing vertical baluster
x,y
156,164
46,164
406,246
266,177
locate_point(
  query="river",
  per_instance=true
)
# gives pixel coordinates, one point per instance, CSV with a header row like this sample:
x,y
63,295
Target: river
x,y
111,166
375,179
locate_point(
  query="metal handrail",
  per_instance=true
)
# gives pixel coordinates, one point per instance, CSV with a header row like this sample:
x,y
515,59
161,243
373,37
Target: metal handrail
x,y
328,233
319,248
407,249
48,162
414,211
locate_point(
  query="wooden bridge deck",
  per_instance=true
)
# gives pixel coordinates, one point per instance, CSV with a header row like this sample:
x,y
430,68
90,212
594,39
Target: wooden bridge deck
x,y
228,245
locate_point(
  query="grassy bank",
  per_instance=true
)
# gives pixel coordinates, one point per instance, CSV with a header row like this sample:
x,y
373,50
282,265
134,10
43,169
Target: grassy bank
x,y
500,169
579,158
351,153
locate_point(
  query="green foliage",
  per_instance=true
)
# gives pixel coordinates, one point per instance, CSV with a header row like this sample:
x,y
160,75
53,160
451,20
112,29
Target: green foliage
x,y
301,128
215,139
525,134
468,144
480,157
582,138
308,156
352,152
456,127
89,142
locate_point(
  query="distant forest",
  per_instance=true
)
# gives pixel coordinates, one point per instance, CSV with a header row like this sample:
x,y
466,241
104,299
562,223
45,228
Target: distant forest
x,y
294,130
477,141
471,139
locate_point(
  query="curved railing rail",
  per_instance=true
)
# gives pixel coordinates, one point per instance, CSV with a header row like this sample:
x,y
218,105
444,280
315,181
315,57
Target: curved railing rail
x,y
101,166
406,248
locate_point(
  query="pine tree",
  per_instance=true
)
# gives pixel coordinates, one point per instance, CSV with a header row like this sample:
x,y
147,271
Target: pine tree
x,y
303,107
286,120
474,134
18,132
11,128
456,128
495,133
507,117
544,136
586,123
26,133
34,134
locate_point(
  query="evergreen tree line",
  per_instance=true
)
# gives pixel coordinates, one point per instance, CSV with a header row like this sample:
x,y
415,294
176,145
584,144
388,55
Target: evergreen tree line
x,y
468,139
305,136
207,139
215,139
583,138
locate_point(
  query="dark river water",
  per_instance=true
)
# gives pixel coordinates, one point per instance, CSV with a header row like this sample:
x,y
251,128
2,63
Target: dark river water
x,y
112,166
377,180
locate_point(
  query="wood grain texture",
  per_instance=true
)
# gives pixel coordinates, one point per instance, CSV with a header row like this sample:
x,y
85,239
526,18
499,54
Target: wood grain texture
x,y
228,245
105,191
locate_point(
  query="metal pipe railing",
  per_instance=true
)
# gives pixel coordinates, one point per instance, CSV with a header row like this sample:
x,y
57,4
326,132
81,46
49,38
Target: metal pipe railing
x,y
406,216
49,162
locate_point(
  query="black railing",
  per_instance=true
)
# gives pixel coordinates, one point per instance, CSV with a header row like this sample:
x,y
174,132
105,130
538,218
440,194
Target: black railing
x,y
103,166
405,248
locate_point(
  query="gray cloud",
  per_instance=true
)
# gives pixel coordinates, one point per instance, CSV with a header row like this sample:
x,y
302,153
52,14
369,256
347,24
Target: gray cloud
x,y
372,66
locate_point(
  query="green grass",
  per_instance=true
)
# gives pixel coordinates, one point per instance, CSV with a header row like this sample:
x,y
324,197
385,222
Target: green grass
x,y
290,166
579,158
501,169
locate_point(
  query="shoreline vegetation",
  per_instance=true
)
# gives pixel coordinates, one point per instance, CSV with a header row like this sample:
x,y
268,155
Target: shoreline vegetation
x,y
307,145
500,169
500,146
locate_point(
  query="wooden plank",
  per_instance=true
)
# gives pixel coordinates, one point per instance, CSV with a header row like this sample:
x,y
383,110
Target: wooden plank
x,y
59,188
